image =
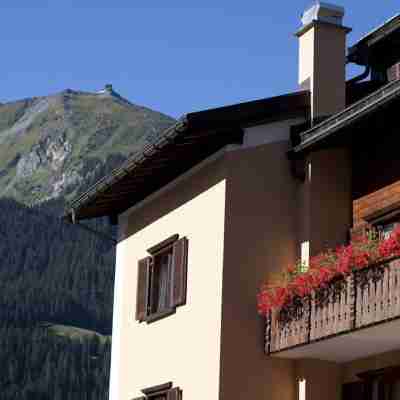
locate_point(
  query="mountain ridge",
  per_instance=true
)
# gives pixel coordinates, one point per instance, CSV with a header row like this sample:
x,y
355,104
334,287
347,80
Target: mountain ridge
x,y
51,145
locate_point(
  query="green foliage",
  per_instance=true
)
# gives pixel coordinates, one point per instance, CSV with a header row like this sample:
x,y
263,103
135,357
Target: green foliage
x,y
55,272
52,367
74,333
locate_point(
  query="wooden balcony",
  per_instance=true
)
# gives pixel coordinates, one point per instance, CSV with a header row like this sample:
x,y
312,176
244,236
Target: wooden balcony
x,y
358,319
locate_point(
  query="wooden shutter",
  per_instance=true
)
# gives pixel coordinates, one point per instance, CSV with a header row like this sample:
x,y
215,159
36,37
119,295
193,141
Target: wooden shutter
x,y
179,272
142,293
174,394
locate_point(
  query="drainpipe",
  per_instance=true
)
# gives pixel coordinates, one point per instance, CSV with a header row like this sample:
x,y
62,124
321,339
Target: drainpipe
x,y
360,77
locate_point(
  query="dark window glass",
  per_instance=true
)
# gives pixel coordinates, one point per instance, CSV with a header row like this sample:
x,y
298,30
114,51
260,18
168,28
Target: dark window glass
x,y
161,278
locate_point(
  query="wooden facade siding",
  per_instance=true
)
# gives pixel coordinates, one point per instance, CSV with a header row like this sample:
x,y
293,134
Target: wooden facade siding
x,y
365,300
367,206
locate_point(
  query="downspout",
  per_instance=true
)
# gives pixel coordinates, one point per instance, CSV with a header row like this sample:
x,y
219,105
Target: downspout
x,y
360,77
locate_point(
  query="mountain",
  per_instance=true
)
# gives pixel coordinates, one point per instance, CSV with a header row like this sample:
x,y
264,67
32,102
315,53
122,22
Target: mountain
x,y
56,279
53,146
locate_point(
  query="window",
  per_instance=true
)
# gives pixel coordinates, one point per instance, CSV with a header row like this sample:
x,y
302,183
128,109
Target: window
x,y
161,392
162,280
386,226
382,384
385,220
160,276
386,229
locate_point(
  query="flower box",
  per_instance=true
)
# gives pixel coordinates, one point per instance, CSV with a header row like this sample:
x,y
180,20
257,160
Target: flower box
x,y
363,298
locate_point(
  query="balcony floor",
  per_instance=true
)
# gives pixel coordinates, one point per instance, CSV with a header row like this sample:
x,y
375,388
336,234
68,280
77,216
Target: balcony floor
x,y
349,346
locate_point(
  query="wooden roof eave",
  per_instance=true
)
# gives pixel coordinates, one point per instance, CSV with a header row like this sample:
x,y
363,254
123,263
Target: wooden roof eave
x,y
348,116
120,194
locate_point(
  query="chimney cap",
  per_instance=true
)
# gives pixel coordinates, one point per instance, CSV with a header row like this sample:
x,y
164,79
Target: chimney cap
x,y
325,12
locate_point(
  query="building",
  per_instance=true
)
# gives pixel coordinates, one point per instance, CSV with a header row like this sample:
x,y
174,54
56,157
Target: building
x,y
229,196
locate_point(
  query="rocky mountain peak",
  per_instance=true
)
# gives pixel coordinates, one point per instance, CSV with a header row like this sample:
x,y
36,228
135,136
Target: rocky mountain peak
x,y
54,146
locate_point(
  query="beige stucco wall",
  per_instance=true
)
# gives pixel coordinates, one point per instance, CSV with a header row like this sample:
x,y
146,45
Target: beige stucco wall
x,y
184,347
260,238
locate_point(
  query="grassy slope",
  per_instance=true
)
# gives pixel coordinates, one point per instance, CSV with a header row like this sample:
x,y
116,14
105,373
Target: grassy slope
x,y
74,333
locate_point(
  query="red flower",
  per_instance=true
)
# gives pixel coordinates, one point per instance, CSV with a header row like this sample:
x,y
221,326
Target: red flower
x,y
389,247
291,269
360,253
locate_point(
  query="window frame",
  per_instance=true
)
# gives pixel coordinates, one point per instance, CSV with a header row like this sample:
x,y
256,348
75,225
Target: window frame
x,y
146,298
384,217
167,246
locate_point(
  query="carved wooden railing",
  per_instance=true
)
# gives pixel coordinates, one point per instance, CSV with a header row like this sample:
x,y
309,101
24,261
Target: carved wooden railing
x,y
366,297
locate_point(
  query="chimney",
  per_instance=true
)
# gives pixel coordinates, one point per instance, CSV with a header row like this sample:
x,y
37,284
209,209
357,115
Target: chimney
x,y
108,88
322,58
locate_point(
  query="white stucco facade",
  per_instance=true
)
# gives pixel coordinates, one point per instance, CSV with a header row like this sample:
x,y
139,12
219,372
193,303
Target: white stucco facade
x,y
185,346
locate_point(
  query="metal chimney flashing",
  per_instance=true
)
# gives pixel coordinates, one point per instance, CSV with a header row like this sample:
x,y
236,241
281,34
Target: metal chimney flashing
x,y
324,12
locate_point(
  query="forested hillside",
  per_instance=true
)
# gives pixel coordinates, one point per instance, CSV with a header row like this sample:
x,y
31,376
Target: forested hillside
x,y
52,271
56,279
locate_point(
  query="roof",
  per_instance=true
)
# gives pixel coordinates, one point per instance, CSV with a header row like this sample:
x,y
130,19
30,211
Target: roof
x,y
350,115
193,138
359,52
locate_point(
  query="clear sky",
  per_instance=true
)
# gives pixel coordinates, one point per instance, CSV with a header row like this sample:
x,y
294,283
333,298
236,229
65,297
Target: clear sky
x,y
174,56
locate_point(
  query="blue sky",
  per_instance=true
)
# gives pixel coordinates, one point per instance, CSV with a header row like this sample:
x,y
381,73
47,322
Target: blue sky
x,y
173,56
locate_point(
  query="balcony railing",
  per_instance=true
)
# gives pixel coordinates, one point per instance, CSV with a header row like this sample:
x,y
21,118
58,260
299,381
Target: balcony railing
x,y
365,298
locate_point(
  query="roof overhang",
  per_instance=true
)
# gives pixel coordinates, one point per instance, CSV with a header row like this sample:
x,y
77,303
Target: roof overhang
x,y
349,116
360,51
195,137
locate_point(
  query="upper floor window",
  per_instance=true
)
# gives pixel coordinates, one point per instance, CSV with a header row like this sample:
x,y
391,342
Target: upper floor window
x,y
161,392
162,276
386,229
385,220
386,225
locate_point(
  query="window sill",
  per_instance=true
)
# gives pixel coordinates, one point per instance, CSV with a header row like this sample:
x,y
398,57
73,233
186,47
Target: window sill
x,y
160,315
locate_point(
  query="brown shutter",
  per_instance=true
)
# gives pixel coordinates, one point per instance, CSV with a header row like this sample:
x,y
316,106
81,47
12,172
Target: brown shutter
x,y
179,272
174,394
142,293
